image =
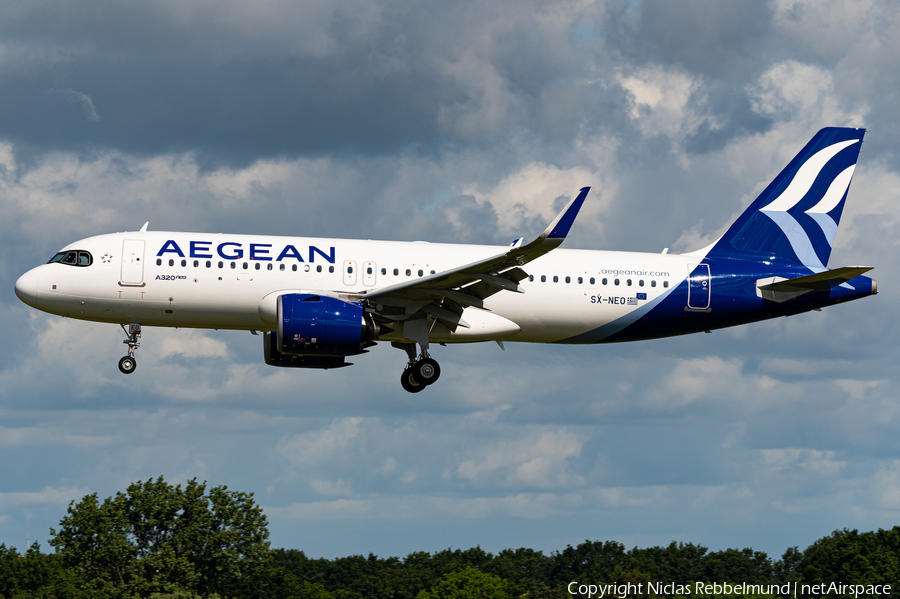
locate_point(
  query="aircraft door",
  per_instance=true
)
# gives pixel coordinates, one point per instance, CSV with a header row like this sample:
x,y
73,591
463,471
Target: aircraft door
x,y
698,287
369,269
132,262
350,272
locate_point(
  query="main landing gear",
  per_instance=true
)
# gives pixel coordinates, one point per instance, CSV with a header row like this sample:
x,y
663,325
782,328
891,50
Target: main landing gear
x,y
420,371
133,335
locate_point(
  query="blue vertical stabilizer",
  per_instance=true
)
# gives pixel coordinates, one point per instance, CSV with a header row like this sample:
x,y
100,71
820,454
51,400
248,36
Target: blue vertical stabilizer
x,y
797,216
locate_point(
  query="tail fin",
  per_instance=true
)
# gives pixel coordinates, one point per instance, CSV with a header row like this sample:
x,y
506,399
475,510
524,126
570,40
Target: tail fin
x,y
797,216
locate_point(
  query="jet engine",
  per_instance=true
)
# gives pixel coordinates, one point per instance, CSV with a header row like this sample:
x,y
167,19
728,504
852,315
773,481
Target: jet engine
x,y
318,331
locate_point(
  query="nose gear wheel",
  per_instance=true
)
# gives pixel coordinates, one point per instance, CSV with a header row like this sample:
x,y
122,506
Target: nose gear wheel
x,y
128,364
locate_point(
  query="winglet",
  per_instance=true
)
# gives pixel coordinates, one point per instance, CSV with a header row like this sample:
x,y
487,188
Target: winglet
x,y
560,226
144,228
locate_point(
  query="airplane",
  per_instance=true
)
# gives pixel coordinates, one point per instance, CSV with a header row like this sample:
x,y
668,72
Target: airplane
x,y
318,301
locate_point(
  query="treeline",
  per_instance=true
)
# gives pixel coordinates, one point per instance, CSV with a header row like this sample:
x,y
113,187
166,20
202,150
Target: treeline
x,y
159,541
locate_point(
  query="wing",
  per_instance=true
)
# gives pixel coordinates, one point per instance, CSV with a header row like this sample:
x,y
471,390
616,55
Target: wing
x,y
446,294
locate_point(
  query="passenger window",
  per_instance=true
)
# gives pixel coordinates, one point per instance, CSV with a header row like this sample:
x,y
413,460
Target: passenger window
x,y
330,269
543,278
159,261
281,266
396,272
294,268
408,272
258,265
531,278
580,280
432,272
384,271
653,283
568,280
196,263
233,265
421,273
245,266
641,282
305,267
617,281
628,282
592,281
349,270
369,270
319,268
269,266
666,284
208,264
221,264
171,262
604,280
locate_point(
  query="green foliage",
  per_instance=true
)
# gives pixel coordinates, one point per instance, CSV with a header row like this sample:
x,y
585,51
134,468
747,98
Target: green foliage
x,y
157,541
156,538
851,557
469,583
34,575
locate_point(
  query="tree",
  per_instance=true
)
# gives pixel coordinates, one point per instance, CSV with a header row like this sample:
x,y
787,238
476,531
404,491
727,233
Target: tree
x,y
852,557
156,538
470,583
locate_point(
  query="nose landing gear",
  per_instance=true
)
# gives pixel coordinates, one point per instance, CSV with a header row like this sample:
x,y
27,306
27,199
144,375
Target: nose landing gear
x,y
128,364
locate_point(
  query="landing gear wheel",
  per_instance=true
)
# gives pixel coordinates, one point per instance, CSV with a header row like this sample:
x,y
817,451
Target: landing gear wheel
x,y
409,383
426,371
127,365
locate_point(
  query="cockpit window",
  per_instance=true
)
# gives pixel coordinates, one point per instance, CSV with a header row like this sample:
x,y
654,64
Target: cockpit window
x,y
73,257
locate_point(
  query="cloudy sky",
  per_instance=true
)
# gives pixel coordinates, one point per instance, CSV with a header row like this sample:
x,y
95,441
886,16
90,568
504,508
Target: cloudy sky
x,y
452,121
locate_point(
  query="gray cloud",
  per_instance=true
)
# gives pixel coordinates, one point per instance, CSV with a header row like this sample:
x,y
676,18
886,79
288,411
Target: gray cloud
x,y
464,121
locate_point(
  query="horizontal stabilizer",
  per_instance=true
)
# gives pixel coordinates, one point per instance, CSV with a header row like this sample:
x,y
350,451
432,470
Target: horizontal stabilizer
x,y
779,289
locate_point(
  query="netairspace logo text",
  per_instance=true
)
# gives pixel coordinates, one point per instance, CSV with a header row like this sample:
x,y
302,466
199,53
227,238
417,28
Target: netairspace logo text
x,y
791,589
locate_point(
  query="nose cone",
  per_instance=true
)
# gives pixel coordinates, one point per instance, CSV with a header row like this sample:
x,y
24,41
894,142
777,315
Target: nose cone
x,y
26,287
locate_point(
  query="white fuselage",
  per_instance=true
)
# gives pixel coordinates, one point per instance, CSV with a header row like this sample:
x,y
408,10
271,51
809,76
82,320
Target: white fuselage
x,y
232,282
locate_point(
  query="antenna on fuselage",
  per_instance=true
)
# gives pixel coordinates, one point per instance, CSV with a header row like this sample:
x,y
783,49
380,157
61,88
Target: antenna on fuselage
x,y
144,228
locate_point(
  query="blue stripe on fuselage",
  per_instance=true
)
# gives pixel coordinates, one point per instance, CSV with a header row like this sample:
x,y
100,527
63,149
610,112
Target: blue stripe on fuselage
x,y
733,301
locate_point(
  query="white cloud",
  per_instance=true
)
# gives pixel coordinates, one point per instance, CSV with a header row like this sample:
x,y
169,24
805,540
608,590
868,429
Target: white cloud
x,y
821,463
90,112
794,91
314,448
332,487
537,190
538,460
47,496
664,101
714,378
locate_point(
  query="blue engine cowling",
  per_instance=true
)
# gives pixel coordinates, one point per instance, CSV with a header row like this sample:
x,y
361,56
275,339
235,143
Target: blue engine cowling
x,y
318,325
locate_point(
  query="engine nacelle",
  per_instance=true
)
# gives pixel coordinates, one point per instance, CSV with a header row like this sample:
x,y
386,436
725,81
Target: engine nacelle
x,y
318,325
276,358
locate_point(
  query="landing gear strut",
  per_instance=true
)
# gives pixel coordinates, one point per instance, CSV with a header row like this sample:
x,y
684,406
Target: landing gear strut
x,y
420,371
128,364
